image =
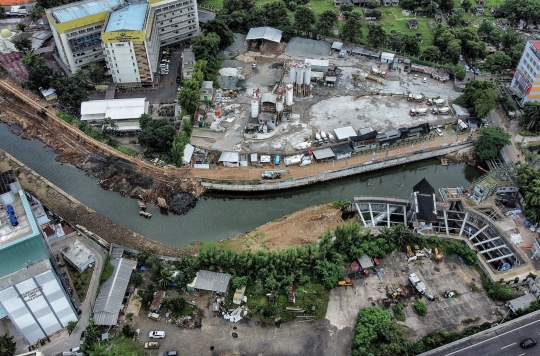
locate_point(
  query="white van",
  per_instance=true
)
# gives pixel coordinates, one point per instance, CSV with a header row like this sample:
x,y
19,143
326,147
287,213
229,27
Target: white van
x,y
154,316
439,132
424,80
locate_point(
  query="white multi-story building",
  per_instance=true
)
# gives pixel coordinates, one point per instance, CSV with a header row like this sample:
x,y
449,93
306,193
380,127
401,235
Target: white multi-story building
x,y
526,82
127,35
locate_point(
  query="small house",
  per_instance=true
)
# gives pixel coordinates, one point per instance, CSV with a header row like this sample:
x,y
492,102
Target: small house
x,y
207,90
77,255
324,154
478,10
156,302
460,112
343,133
366,141
229,159
387,57
342,151
253,159
358,2
210,281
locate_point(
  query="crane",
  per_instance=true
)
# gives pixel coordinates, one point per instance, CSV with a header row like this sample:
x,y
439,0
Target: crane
x,y
273,174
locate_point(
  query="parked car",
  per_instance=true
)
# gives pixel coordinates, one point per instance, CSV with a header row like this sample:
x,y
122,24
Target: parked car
x,y
528,343
424,80
429,297
415,76
170,353
151,345
438,132
83,335
156,334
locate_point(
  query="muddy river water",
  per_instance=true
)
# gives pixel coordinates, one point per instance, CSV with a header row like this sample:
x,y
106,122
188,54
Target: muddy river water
x,y
221,215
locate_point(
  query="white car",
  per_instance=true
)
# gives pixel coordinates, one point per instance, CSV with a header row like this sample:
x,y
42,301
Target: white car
x,y
424,80
156,334
439,132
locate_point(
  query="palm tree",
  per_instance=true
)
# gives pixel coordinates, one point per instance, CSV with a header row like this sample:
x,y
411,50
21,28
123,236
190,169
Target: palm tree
x,y
165,278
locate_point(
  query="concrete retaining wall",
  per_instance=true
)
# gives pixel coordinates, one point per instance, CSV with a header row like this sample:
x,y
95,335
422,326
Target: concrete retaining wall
x,y
329,175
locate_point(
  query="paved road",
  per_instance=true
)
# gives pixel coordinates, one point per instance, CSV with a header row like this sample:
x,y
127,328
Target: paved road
x,y
63,341
510,151
501,341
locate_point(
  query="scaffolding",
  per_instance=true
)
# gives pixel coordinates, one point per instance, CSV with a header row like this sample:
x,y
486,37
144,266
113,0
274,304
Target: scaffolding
x,y
487,184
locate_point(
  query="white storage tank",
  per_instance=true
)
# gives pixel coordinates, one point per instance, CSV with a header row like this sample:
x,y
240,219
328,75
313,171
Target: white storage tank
x,y
279,104
254,106
307,74
292,73
289,96
300,76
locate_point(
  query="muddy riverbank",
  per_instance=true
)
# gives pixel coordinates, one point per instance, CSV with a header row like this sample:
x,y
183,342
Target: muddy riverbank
x,y
77,213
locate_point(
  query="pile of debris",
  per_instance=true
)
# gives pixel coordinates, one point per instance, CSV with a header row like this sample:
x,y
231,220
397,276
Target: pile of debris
x,y
234,315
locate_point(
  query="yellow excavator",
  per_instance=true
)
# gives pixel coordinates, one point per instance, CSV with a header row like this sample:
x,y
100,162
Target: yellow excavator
x,y
345,282
437,256
399,292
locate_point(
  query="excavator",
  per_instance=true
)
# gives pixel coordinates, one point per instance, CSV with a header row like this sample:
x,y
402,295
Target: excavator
x,y
273,174
399,292
346,282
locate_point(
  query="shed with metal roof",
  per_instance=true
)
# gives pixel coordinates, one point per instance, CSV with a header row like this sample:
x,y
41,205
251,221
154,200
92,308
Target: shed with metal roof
x,y
343,133
325,153
110,299
211,281
264,33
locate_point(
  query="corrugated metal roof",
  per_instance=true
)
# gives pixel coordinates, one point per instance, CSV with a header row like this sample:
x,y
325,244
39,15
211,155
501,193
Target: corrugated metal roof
x,y
344,133
266,33
228,157
188,152
111,295
337,45
324,153
116,109
82,9
212,281
129,18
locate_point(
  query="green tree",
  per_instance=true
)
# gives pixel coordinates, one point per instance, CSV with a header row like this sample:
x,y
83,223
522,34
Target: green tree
x,y
39,75
372,4
420,308
365,332
239,282
23,44
2,12
7,345
431,53
490,141
136,278
460,73
500,291
498,61
96,73
165,278
515,10
412,45
304,19
189,98
480,97
179,144
230,6
466,5
376,35
485,28
128,330
109,126
495,37
221,29
446,5
327,23
206,46
531,116
351,31
157,135
70,327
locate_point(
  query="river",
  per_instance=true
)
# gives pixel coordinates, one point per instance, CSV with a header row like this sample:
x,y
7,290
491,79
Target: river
x,y
221,215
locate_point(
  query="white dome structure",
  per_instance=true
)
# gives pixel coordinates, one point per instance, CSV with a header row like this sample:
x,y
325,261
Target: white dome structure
x,y
5,33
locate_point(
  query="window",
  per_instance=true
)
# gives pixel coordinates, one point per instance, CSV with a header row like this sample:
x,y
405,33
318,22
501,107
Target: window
x,y
134,64
135,70
116,65
131,57
117,71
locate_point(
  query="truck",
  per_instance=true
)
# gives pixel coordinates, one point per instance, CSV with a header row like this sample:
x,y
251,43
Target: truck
x,y
415,97
273,174
445,110
417,283
291,160
418,112
437,102
151,345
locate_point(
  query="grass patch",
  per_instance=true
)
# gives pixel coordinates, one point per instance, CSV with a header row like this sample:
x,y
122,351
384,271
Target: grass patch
x,y
420,308
398,312
308,295
121,346
188,309
81,281
474,287
107,271
469,321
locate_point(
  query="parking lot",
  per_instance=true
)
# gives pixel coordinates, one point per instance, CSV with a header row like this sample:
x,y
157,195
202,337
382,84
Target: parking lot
x,y
443,314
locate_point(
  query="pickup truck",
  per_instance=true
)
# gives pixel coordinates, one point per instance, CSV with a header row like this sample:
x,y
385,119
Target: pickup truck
x,y
151,345
417,283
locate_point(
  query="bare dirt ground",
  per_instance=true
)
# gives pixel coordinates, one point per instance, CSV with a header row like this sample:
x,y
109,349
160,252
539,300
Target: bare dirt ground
x,y
303,227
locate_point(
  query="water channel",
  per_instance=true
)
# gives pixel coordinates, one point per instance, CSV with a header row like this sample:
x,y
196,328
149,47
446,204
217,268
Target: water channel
x,y
221,215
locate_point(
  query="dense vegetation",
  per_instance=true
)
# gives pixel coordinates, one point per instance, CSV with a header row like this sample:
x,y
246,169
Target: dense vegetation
x,y
528,181
490,141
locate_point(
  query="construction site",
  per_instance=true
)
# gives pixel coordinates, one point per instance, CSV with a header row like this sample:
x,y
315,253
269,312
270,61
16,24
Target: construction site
x,y
286,99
